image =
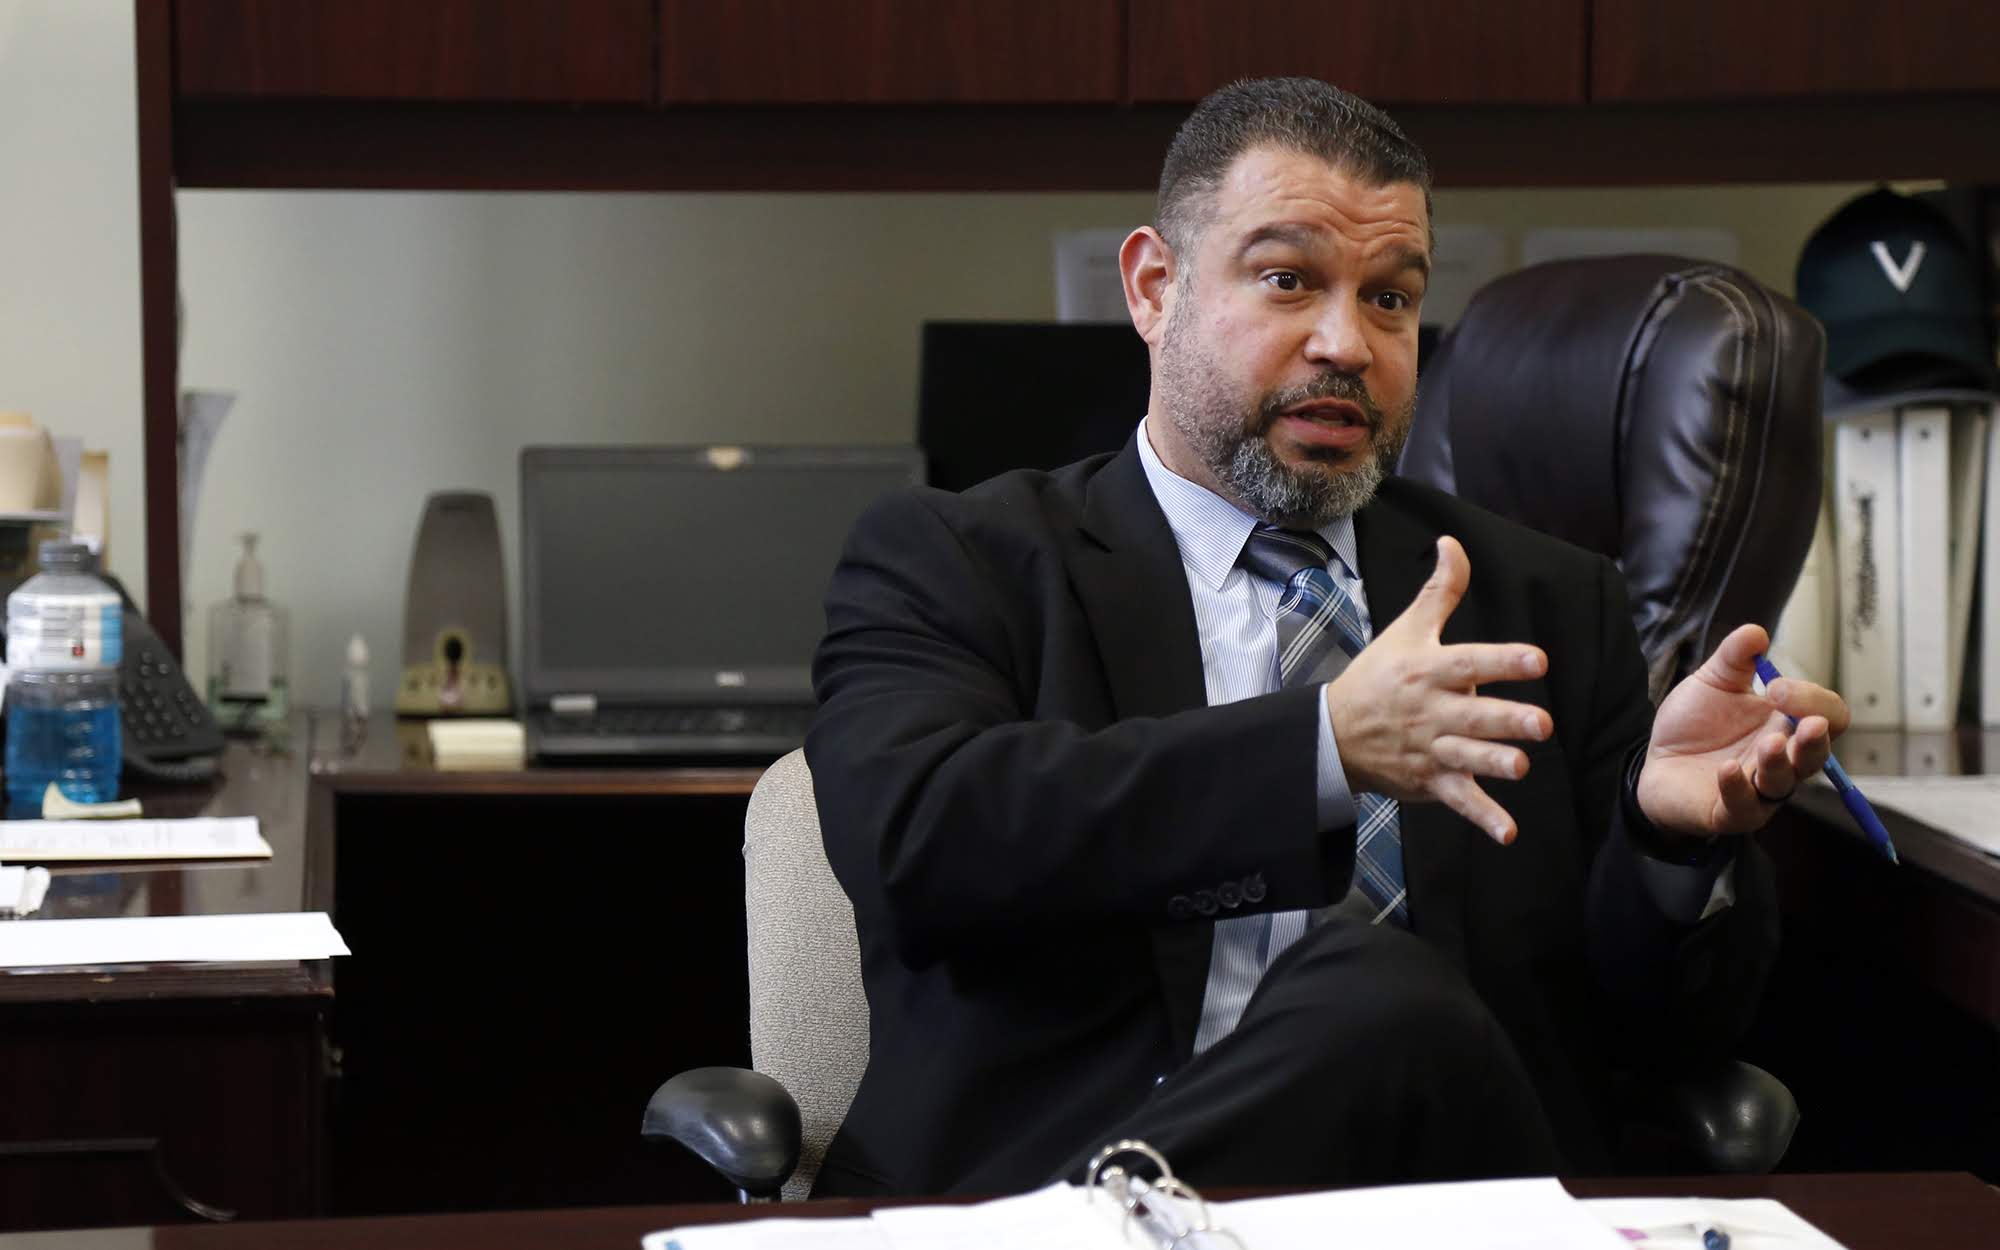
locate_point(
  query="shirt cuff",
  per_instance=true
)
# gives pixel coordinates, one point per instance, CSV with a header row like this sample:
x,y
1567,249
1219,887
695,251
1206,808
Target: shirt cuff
x,y
1336,801
1689,886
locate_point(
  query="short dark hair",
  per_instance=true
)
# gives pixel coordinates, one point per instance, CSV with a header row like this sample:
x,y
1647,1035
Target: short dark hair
x,y
1303,114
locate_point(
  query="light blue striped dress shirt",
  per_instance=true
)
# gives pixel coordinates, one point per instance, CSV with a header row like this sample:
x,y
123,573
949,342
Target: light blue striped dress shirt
x,y
1236,616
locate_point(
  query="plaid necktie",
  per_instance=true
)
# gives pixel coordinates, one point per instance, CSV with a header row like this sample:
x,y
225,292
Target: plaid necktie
x,y
1319,631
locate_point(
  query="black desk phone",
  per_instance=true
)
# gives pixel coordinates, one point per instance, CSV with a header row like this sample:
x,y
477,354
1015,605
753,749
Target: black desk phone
x,y
169,734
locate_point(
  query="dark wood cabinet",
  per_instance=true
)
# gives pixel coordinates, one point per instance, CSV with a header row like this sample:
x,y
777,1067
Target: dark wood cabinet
x,y
1390,51
1643,50
890,51
541,51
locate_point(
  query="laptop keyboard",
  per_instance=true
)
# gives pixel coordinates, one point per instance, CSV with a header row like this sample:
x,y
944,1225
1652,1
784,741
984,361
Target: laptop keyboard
x,y
775,721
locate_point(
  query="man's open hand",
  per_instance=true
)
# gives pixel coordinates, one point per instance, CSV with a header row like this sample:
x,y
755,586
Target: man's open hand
x,y
1406,717
1722,755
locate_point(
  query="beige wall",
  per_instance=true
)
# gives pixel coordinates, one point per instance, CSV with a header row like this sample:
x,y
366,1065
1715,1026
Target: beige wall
x,y
387,345
69,239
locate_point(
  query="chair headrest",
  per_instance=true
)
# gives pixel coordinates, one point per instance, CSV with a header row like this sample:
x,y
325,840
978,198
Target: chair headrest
x,y
1664,412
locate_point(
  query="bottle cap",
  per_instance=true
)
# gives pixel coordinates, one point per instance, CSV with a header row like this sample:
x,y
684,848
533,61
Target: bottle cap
x,y
249,573
357,651
63,553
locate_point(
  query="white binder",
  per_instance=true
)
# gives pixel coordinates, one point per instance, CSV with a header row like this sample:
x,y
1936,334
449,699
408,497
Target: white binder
x,y
1923,461
1868,558
1971,427
1989,579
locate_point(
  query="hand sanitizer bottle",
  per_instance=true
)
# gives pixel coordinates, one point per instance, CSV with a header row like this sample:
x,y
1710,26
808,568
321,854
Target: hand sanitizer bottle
x,y
249,653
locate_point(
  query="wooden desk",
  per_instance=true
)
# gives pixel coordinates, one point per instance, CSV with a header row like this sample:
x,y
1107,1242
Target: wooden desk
x,y
136,1094
1884,1011
534,952
1923,1211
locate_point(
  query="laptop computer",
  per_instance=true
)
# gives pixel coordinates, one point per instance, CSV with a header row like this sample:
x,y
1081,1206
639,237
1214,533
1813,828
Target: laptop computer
x,y
672,596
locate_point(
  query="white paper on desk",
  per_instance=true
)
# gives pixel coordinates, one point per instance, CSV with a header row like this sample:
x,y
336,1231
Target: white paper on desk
x,y
860,1233
1966,808
1055,1217
1492,1215
203,837
251,938
1675,1223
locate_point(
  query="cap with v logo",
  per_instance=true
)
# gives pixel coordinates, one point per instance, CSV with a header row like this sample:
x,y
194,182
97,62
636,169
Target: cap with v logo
x,y
1897,289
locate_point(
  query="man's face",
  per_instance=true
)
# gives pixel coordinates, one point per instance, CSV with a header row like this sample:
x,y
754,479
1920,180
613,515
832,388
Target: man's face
x,y
1286,368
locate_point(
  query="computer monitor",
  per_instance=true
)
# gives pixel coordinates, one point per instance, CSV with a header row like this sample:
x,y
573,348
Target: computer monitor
x,y
654,574
994,396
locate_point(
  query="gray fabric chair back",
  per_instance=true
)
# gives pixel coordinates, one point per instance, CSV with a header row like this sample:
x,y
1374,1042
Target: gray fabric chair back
x,y
808,1014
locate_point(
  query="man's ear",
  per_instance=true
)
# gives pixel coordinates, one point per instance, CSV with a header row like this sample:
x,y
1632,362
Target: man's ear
x,y
1146,266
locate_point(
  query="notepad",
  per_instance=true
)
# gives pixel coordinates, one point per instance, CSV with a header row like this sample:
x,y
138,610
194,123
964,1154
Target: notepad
x,y
66,841
249,938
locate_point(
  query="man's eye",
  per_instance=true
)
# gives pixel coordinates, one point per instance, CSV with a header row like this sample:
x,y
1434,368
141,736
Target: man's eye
x,y
1284,280
1392,301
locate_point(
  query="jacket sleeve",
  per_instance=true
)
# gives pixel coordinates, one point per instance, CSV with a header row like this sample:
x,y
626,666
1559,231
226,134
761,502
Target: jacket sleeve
x,y
963,820
1680,989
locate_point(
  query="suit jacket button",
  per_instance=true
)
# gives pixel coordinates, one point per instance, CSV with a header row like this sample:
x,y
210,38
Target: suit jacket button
x,y
1180,907
1231,894
1204,902
1253,888
1159,1080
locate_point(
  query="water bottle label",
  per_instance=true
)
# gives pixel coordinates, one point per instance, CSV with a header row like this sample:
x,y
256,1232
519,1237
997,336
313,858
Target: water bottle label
x,y
65,632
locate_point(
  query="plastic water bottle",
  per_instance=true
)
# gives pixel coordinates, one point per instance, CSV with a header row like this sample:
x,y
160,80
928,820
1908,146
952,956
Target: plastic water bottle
x,y
65,636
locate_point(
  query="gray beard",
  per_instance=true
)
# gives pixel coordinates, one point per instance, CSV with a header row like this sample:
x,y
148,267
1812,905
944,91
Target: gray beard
x,y
1292,498
1211,420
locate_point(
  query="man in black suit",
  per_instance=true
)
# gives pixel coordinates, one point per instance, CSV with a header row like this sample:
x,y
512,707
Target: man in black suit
x,y
1225,792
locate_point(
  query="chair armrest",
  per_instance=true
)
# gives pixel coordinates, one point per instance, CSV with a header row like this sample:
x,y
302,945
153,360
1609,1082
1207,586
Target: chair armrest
x,y
741,1123
1734,1117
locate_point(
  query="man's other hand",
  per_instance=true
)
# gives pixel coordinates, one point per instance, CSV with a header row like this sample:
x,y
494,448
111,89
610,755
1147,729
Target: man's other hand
x,y
1723,756
1408,721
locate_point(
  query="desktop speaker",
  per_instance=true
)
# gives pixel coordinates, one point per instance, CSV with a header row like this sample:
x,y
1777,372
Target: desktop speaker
x,y
455,612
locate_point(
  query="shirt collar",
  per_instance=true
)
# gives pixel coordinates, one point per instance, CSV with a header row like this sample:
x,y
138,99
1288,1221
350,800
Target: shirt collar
x,y
1211,531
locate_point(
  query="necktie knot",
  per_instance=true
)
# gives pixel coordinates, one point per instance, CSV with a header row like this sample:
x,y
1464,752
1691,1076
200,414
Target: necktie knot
x,y
1279,554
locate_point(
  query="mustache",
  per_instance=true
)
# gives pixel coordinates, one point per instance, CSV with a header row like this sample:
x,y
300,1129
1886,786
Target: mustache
x,y
1329,385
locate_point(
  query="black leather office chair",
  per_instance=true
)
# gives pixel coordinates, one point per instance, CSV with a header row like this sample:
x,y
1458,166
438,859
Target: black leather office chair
x,y
1665,413
1660,411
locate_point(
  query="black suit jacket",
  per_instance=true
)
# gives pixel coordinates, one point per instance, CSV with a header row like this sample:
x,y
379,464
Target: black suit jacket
x,y
1022,790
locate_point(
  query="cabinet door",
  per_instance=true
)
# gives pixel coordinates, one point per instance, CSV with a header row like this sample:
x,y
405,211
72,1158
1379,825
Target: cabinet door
x,y
1711,49
1390,51
889,51
567,51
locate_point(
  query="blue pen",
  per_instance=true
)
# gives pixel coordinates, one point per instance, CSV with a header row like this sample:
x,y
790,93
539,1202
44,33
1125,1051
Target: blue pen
x,y
1857,803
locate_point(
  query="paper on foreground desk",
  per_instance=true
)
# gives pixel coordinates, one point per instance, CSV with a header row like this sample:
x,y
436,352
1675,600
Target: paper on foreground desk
x,y
1492,1215
251,938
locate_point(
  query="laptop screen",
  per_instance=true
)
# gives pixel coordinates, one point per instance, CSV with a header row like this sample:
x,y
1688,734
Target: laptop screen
x,y
682,574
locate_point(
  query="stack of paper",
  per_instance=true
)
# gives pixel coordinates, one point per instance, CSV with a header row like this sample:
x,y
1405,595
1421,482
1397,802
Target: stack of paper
x,y
50,841
478,745
271,936
22,891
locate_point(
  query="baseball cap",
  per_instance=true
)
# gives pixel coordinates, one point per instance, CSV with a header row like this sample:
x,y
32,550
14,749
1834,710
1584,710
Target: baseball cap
x,y
1897,289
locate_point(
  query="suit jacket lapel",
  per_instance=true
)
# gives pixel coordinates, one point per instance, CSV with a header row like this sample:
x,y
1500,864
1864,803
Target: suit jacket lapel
x,y
1398,553
1134,591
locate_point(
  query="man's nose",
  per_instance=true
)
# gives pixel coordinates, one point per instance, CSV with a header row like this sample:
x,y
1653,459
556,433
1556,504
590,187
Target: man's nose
x,y
1339,339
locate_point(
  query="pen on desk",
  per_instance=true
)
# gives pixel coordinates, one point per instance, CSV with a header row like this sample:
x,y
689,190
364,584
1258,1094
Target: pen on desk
x,y
1856,803
1712,1238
